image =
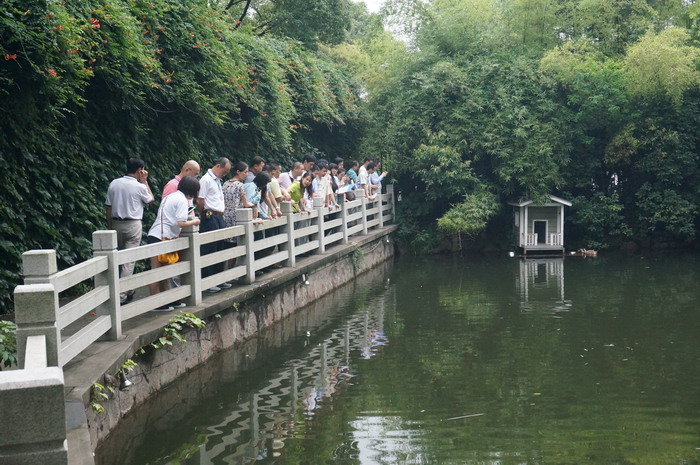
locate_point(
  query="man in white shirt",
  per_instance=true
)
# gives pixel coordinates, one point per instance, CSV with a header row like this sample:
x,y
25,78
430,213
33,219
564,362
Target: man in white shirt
x,y
363,177
210,203
286,179
376,179
126,197
190,168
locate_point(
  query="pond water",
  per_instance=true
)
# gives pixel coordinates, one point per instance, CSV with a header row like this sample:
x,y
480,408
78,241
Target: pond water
x,y
459,361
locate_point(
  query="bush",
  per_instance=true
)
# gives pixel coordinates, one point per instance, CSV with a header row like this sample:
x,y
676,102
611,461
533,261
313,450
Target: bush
x,y
8,344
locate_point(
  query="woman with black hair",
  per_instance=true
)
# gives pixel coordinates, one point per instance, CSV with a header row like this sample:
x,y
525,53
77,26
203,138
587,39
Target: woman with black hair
x,y
301,192
171,218
234,195
256,193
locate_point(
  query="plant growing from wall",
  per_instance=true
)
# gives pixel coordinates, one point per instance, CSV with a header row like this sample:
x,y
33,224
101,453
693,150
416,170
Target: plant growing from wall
x,y
8,344
98,395
173,330
358,258
128,366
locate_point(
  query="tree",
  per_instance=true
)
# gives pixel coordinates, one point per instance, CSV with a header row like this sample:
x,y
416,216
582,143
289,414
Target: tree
x,y
311,22
662,65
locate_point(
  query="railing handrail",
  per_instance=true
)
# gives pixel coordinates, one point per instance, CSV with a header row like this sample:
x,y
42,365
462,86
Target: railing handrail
x,y
292,233
78,273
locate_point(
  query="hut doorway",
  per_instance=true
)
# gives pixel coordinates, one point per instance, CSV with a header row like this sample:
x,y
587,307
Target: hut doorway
x,y
540,228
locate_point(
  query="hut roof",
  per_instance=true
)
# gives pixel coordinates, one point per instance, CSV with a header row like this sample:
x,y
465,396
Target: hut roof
x,y
554,201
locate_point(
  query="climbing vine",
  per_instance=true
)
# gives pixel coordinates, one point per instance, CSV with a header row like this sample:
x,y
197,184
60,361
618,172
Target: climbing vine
x,y
84,85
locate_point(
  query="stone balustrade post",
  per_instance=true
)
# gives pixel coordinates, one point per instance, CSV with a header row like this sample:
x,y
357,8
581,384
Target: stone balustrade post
x,y
380,207
318,206
36,306
39,266
342,201
244,217
392,195
104,244
192,254
288,211
360,195
33,418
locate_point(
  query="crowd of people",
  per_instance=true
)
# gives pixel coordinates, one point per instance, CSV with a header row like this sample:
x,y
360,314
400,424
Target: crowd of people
x,y
212,199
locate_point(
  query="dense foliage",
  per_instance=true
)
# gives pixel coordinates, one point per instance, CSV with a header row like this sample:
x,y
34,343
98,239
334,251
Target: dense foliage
x,y
491,101
86,84
469,103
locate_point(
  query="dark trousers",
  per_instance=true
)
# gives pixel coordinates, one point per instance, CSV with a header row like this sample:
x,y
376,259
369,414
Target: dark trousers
x,y
212,223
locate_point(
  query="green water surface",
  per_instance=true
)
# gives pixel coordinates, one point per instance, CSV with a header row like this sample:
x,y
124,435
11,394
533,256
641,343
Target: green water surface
x,y
470,361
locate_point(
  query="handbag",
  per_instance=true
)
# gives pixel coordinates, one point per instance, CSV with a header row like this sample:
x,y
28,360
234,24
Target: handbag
x,y
170,257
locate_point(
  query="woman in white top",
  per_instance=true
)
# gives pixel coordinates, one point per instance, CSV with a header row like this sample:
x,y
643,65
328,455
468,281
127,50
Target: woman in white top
x,y
171,218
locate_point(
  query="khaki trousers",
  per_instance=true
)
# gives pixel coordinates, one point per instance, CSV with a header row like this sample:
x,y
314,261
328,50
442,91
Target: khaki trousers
x,y
128,236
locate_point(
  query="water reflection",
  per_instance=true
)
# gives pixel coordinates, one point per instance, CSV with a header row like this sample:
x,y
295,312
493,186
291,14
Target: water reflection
x,y
542,280
256,428
267,417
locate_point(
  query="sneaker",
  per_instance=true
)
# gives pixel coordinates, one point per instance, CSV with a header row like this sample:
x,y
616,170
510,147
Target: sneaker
x,y
163,308
178,305
225,285
213,289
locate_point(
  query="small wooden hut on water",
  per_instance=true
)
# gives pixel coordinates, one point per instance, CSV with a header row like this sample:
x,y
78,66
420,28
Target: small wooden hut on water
x,y
539,228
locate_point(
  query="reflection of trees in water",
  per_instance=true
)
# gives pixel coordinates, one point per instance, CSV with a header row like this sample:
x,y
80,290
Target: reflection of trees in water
x,y
255,430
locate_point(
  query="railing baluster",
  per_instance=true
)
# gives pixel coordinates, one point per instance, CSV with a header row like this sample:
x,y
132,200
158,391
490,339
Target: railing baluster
x,y
193,255
318,206
244,217
104,244
288,211
360,195
342,202
392,193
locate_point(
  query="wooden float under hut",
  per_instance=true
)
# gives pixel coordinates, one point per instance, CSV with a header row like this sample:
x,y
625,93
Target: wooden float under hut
x,y
539,228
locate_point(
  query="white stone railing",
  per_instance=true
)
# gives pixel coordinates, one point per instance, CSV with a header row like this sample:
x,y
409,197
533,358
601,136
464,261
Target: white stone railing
x,y
33,421
70,328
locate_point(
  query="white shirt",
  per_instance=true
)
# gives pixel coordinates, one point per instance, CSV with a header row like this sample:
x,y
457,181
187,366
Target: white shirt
x,y
172,209
320,187
362,176
210,191
286,180
127,196
274,187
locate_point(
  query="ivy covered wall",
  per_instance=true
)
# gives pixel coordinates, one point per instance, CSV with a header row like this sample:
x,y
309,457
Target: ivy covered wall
x,y
86,84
